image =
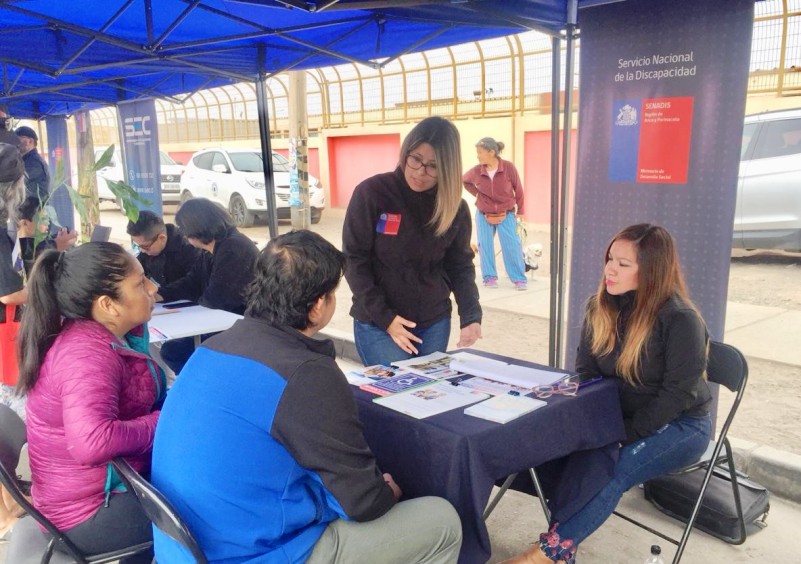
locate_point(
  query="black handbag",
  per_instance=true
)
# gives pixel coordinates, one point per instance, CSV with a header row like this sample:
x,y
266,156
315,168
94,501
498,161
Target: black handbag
x,y
675,495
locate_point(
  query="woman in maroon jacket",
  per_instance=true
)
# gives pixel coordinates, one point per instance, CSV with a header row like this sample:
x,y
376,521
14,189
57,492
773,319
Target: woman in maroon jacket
x,y
93,392
499,201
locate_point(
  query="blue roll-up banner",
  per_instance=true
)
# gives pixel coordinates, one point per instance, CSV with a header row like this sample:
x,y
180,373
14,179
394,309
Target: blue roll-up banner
x,y
58,152
140,142
663,86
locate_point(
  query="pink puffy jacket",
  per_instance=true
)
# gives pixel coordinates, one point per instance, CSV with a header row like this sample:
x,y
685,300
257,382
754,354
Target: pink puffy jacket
x,y
93,400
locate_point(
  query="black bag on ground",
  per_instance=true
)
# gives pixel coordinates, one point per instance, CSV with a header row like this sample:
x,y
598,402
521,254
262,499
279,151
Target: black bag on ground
x,y
675,495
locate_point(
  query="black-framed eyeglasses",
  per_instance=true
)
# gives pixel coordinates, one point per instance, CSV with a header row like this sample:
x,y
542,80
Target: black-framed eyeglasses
x,y
416,163
148,246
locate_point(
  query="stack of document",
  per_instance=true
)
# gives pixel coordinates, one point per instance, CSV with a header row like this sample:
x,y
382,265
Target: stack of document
x,y
502,372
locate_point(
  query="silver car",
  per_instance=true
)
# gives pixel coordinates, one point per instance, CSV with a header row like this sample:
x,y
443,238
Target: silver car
x,y
768,212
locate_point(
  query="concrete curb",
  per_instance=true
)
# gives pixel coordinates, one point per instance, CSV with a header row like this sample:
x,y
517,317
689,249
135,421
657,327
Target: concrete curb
x,y
778,471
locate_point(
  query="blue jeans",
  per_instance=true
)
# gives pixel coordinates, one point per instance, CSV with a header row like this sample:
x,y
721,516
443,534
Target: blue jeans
x,y
375,346
176,352
511,247
677,444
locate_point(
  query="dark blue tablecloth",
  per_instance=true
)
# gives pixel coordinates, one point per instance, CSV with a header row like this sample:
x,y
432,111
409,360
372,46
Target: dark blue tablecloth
x,y
460,458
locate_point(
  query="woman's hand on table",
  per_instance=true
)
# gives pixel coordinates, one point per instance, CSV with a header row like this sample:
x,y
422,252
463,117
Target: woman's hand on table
x,y
402,336
469,335
396,491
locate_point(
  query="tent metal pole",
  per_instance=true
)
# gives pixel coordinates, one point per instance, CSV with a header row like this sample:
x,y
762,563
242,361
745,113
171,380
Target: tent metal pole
x,y
555,231
266,153
564,193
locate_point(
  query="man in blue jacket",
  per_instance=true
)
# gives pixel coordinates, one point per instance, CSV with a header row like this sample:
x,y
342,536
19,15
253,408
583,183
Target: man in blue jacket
x,y
259,445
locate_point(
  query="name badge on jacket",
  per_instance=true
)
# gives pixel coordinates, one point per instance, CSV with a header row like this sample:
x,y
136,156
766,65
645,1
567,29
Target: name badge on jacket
x,y
388,224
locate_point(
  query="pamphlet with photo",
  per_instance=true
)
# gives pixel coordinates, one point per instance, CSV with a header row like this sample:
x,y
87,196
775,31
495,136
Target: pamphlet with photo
x,y
396,384
433,399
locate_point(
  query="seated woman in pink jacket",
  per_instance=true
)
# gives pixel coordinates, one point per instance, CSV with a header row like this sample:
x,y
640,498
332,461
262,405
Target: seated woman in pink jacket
x,y
93,391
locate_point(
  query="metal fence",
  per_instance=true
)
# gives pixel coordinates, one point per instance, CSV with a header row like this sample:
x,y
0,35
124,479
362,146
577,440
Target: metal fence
x,y
506,76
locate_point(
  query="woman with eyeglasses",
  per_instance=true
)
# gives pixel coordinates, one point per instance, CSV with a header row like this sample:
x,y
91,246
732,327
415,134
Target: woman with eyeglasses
x,y
407,241
642,330
499,202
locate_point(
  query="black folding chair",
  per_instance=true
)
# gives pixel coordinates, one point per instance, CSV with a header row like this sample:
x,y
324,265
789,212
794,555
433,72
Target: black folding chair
x,y
160,512
727,366
28,544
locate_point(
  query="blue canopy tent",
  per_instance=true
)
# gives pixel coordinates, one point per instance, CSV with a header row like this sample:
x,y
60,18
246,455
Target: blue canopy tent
x,y
57,58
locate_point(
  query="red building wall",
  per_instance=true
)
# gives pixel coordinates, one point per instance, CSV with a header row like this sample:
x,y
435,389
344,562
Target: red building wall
x,y
352,159
536,173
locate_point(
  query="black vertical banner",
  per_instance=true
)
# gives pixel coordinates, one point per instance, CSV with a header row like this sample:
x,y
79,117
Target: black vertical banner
x,y
140,141
663,86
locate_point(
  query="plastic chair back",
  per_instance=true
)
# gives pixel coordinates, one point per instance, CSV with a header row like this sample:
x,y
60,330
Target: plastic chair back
x,y
160,511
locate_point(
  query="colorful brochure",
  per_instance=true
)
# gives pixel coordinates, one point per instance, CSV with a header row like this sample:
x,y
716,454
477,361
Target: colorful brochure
x,y
434,365
370,374
396,384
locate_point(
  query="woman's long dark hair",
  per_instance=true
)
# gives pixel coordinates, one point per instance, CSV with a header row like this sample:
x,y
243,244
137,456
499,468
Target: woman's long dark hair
x,y
64,285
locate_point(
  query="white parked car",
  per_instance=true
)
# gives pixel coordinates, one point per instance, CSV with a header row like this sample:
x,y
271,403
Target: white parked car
x,y
768,213
234,179
170,177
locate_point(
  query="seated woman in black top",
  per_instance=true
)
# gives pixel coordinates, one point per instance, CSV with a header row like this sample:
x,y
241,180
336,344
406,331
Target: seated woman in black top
x,y
219,278
642,330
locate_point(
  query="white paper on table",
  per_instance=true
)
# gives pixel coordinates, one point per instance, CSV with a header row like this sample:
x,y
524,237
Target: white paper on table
x,y
502,372
432,399
504,408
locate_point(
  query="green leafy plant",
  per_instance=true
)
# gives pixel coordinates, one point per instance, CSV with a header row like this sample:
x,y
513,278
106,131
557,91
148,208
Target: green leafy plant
x,y
126,195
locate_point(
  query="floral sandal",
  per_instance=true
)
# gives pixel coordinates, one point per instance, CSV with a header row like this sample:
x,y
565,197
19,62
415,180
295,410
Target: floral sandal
x,y
557,549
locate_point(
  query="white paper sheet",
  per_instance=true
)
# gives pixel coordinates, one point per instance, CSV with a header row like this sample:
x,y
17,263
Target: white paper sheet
x,y
433,399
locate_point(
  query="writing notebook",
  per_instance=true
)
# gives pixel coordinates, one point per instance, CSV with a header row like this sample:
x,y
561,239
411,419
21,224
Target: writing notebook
x,y
503,408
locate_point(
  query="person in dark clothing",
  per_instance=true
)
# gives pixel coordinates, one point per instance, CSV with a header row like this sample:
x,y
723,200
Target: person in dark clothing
x,y
219,278
31,218
12,191
642,330
12,293
407,239
277,468
37,184
164,253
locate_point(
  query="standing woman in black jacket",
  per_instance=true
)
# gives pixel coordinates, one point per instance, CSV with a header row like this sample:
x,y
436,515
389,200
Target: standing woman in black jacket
x,y
642,330
407,241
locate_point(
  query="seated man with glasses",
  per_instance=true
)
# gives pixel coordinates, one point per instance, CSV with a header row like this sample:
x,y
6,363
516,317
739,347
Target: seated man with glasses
x,y
164,253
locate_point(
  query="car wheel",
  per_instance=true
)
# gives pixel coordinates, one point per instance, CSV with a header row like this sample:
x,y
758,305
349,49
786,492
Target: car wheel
x,y
239,212
316,215
186,195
